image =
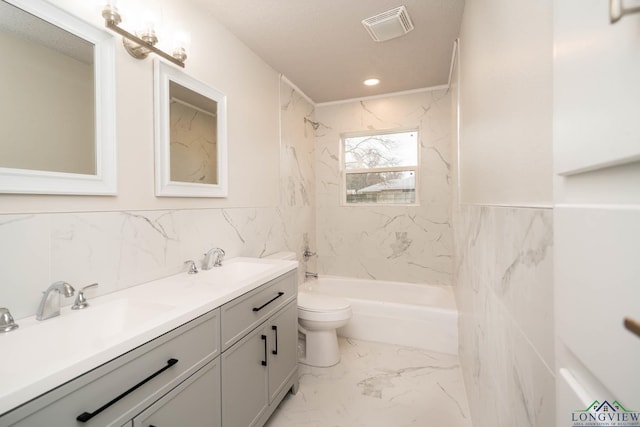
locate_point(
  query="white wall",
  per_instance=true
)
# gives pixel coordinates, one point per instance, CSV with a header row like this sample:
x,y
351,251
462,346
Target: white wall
x,y
219,59
504,255
135,237
506,95
387,242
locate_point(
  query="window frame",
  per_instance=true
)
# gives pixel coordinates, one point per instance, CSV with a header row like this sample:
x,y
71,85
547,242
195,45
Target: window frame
x,y
378,132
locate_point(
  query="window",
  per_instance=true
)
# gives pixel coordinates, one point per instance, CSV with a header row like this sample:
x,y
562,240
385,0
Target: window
x,y
380,168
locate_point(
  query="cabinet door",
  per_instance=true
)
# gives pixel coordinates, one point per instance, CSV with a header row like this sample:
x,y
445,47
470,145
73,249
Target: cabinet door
x,y
596,91
597,210
194,403
283,348
244,380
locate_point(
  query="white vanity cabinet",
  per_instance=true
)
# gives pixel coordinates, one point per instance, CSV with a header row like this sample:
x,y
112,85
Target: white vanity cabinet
x,y
259,365
116,392
229,367
195,403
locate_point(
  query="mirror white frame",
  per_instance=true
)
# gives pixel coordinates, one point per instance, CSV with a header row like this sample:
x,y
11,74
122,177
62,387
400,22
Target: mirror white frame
x,y
104,182
163,74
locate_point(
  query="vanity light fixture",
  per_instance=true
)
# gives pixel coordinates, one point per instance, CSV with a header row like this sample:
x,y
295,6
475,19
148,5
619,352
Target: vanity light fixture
x,y
139,45
371,82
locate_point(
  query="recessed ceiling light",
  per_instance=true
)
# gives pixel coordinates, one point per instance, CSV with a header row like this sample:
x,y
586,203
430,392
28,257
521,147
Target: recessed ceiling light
x,y
371,82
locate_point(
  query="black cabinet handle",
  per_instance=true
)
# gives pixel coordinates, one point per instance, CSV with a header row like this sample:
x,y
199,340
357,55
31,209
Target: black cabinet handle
x,y
264,338
86,416
268,302
275,329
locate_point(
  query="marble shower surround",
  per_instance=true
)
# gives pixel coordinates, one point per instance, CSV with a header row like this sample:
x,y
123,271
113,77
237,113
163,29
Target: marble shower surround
x,y
397,243
504,290
297,177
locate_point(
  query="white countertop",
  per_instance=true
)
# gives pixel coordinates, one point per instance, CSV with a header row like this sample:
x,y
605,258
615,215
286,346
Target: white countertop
x,y
41,355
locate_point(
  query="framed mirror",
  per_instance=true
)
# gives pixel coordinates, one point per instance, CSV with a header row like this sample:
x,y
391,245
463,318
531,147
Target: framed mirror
x,y
190,135
57,109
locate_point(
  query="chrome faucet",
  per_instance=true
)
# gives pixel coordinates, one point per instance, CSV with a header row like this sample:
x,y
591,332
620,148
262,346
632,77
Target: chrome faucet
x,y
213,258
81,301
192,266
50,302
308,274
6,320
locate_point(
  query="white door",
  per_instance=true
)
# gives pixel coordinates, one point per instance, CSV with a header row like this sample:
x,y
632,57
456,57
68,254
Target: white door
x,y
597,212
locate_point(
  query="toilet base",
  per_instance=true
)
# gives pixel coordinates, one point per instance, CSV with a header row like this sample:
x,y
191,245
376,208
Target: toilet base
x,y
321,348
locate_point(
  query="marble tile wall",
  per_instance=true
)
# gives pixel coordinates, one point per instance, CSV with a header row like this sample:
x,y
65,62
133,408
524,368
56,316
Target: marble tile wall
x,y
504,290
297,176
125,248
397,243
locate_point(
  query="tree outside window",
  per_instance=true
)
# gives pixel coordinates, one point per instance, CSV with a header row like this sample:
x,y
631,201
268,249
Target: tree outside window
x,y
381,168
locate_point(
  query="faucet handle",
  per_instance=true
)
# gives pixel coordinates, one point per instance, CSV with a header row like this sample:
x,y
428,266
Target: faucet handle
x,y
6,320
81,301
308,254
193,269
221,254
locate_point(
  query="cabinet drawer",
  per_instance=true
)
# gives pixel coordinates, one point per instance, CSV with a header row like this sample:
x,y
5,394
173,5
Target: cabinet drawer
x,y
145,373
195,402
244,313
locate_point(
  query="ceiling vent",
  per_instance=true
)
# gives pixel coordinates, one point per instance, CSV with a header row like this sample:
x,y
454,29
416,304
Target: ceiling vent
x,y
388,25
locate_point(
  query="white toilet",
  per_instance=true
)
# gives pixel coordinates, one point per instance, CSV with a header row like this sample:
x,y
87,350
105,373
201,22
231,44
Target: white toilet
x,y
318,318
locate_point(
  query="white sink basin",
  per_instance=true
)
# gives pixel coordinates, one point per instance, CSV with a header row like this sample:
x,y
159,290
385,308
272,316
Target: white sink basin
x,y
233,272
96,324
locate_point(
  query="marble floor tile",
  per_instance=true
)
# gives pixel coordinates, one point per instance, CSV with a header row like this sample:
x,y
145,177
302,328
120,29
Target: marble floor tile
x,y
378,385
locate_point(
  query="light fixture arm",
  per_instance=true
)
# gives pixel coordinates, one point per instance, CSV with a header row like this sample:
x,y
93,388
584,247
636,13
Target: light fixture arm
x,y
139,47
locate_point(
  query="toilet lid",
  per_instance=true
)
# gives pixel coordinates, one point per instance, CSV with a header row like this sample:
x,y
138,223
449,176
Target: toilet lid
x,y
319,302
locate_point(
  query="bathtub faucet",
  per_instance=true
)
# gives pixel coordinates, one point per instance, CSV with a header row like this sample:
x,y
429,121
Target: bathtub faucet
x,y
309,274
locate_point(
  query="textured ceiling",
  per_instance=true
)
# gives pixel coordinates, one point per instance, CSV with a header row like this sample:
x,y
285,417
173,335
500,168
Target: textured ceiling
x,y
322,47
22,25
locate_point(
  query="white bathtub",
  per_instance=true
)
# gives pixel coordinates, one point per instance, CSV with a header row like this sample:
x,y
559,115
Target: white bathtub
x,y
422,316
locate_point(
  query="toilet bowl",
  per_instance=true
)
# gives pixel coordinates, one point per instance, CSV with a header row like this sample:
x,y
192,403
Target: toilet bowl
x,y
318,318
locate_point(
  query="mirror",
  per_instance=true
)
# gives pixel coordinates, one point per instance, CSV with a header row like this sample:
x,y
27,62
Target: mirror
x,y
190,135
57,110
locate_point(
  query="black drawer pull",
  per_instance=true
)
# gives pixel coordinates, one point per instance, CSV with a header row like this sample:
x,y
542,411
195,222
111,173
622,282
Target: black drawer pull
x,y
264,338
275,329
268,302
86,416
